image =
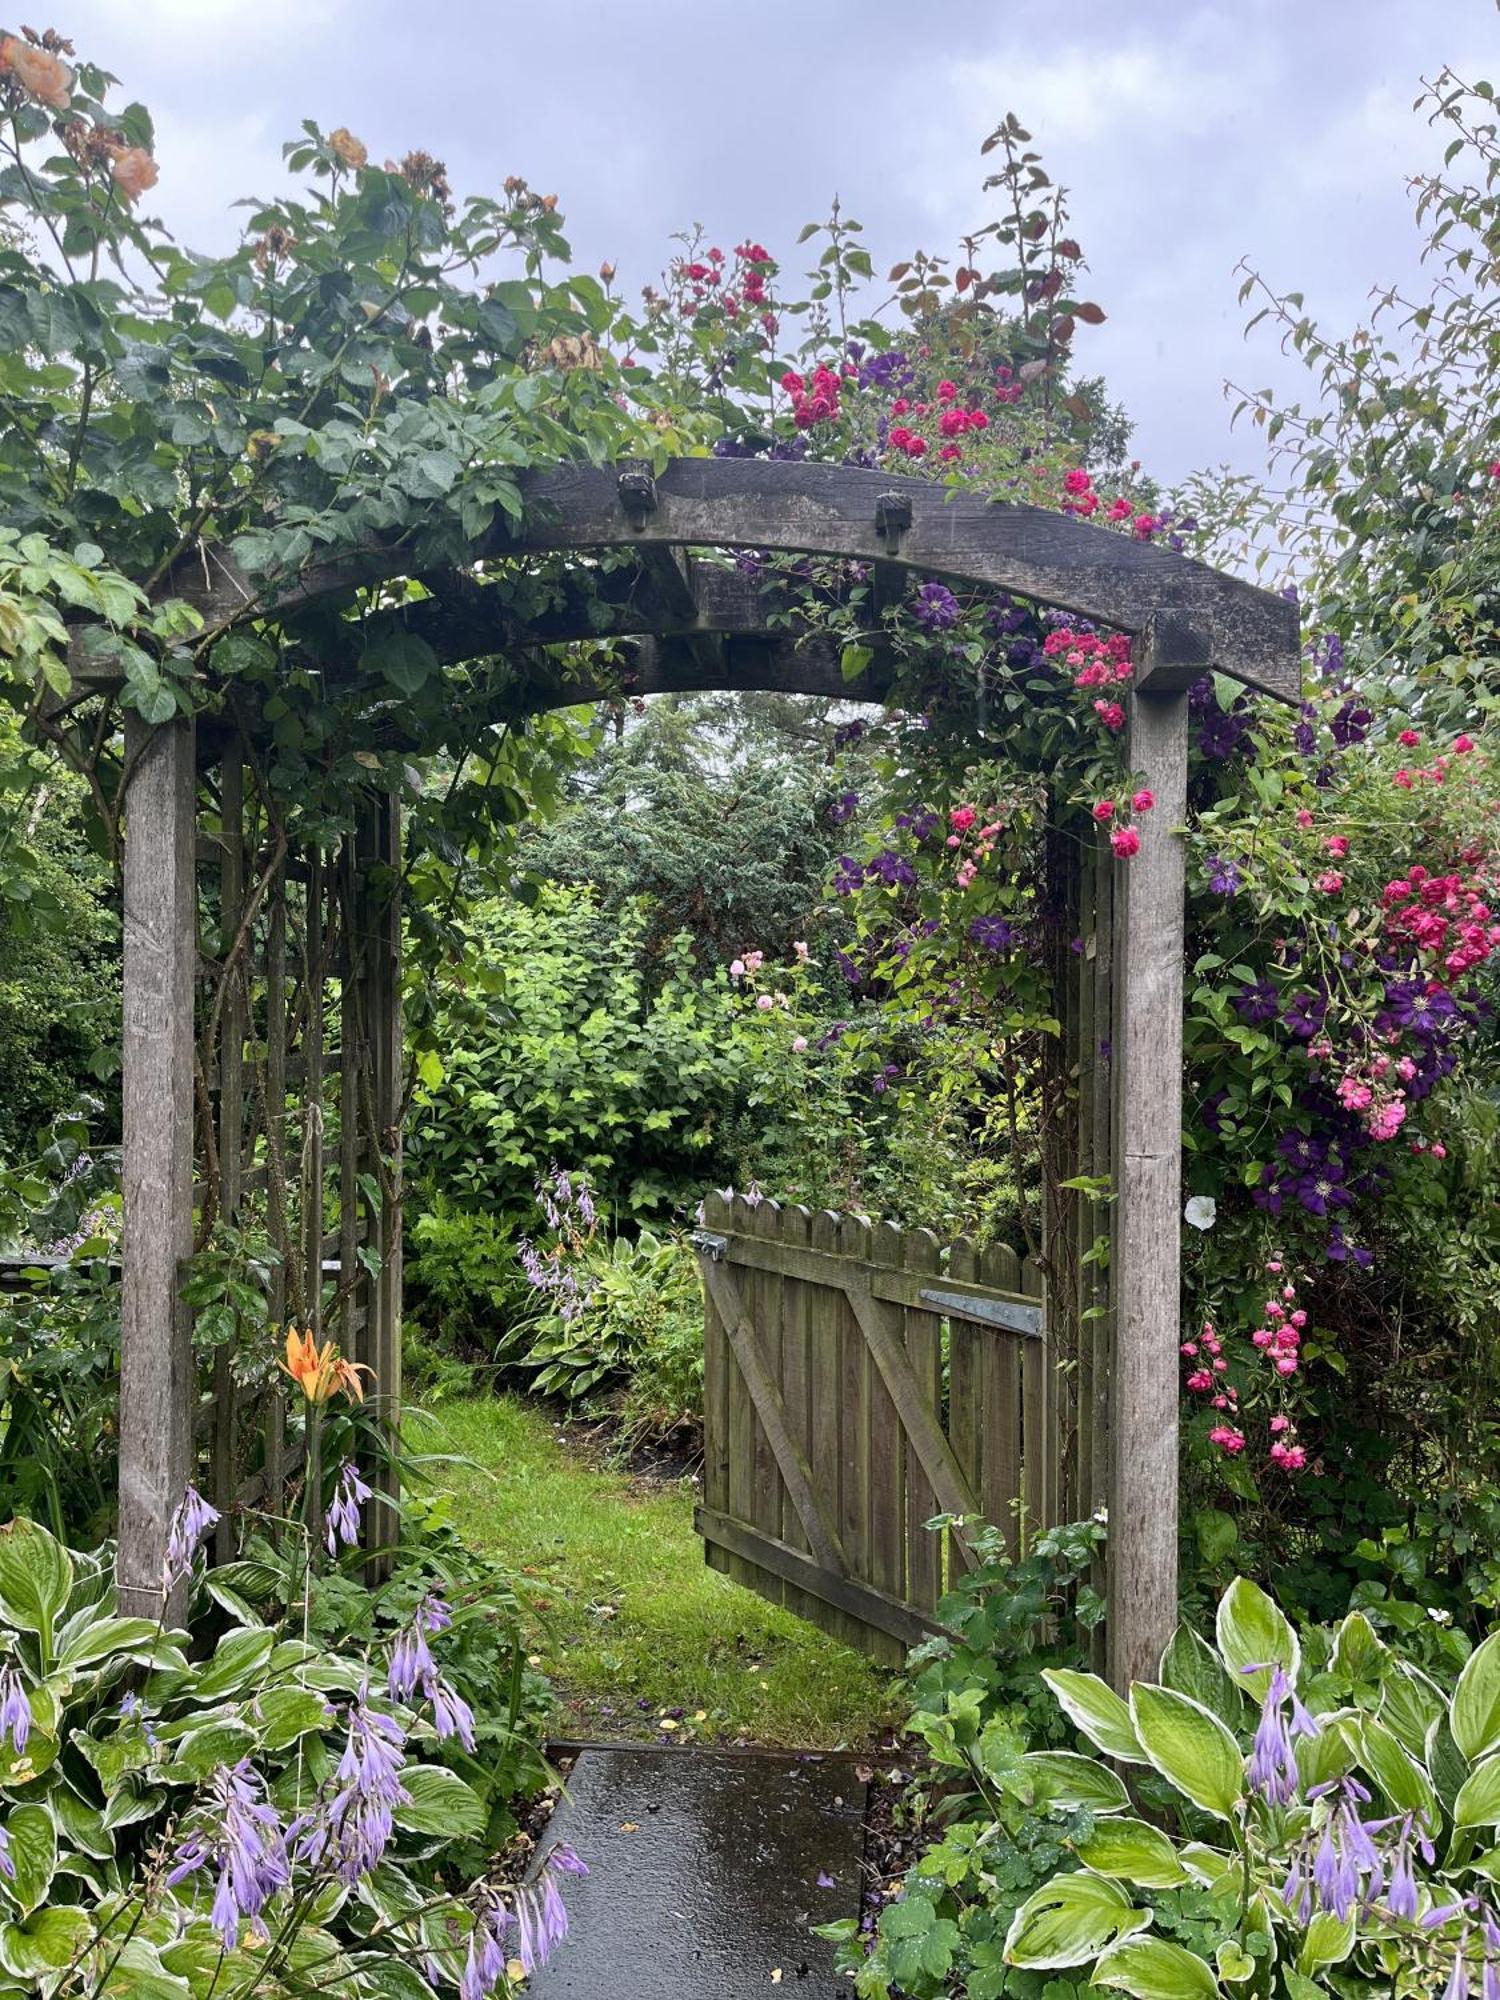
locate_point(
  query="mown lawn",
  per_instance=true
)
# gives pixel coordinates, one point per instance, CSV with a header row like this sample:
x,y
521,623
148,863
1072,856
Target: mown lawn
x,y
639,1635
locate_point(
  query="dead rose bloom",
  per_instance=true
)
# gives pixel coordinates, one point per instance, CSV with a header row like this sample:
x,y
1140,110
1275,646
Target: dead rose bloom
x,y
39,72
134,170
353,152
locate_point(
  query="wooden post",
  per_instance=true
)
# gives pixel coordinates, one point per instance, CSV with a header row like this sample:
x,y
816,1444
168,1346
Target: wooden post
x,y
158,1381
387,1042
1146,1061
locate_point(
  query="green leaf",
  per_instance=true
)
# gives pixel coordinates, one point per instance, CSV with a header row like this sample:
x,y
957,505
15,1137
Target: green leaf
x,y
1234,1963
1326,1941
854,660
404,659
1358,1651
440,1803
33,1853
203,1751
1190,1747
1254,1634
45,1943
107,1636
287,1713
1409,1705
1069,1921
1478,1801
390,1979
237,1659
1153,1969
1062,1777
36,1578
1191,1666
1128,1850
139,1974
1097,1711
1405,1784
19,1767
1475,1713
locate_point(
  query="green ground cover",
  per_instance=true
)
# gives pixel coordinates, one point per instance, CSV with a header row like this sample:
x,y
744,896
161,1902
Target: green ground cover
x,y
640,1636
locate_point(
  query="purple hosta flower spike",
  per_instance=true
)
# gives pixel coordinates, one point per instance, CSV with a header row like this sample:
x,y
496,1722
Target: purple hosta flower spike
x,y
245,1840
414,1671
355,1827
192,1521
451,1714
541,1916
1347,1867
343,1515
7,1866
484,1967
1273,1760
15,1710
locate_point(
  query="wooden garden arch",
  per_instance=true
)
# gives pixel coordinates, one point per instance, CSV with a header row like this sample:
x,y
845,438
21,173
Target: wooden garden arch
x,y
698,623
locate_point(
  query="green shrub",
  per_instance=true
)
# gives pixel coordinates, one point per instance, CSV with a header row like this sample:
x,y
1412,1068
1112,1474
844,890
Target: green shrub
x,y
627,1336
464,1281
566,1044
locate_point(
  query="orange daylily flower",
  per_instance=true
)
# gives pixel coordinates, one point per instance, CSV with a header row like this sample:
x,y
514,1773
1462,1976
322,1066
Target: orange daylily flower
x,y
321,1372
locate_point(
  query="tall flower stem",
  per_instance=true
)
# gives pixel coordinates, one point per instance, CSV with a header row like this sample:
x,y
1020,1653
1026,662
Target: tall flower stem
x,y
313,1490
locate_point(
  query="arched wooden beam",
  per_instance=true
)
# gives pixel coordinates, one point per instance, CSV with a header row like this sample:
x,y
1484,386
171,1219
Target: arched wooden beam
x,y
841,511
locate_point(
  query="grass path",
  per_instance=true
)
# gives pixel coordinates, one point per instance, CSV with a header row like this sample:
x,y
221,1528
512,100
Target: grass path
x,y
639,1635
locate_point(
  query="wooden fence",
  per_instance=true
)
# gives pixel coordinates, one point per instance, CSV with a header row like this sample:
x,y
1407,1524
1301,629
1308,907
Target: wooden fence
x,y
859,1380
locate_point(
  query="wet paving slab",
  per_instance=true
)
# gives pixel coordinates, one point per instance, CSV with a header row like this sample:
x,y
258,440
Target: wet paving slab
x,y
707,1871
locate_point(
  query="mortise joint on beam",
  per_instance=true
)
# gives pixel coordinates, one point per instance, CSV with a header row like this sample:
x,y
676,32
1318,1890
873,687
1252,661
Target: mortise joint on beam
x,y
1171,651
637,490
893,518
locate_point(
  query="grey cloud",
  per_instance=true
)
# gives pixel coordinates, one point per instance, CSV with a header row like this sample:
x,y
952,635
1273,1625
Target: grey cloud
x,y
1189,135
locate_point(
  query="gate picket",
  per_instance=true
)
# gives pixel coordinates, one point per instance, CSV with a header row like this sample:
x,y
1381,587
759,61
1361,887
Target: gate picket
x,y
716,1217
854,1410
1001,1370
885,1439
965,1393
924,1350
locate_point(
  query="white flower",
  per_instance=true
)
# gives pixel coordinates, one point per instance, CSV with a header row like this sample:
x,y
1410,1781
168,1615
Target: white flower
x,y
1202,1211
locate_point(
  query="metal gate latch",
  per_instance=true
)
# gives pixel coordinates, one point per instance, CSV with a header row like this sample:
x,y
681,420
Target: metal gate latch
x,y
709,1245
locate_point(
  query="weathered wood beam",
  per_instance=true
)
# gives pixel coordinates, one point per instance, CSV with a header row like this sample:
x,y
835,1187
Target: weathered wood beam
x,y
1051,559
1146,1066
158,1379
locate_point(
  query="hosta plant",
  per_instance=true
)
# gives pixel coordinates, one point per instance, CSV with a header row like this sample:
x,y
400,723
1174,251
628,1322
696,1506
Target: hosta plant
x,y
232,1809
1274,1818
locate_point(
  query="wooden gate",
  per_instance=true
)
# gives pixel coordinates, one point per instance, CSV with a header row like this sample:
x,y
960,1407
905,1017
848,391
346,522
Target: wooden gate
x,y
860,1379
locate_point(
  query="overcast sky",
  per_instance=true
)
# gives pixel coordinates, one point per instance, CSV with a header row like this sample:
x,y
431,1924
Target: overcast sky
x,y
1190,135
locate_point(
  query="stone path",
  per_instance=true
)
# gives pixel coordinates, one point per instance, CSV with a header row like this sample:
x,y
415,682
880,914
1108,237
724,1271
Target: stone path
x,y
707,1871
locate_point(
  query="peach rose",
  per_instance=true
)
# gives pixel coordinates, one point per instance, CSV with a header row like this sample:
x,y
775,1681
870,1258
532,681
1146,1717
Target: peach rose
x,y
350,150
40,74
134,171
